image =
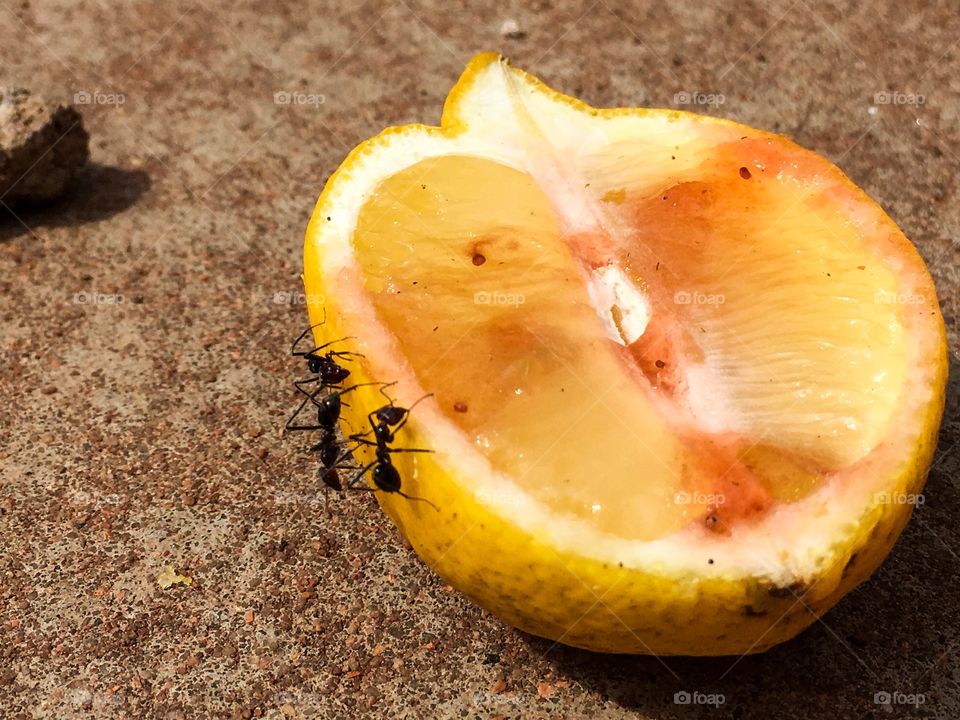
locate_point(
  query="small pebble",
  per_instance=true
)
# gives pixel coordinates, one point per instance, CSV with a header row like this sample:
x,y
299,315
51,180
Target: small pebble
x,y
43,145
510,29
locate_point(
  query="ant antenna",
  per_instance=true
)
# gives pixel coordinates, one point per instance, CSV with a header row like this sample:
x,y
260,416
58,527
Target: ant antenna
x,y
414,497
383,390
293,349
392,400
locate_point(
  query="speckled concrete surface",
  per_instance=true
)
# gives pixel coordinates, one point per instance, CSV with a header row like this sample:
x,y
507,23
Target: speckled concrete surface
x,y
145,321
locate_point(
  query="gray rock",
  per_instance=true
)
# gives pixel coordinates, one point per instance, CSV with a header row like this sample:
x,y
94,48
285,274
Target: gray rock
x,y
42,146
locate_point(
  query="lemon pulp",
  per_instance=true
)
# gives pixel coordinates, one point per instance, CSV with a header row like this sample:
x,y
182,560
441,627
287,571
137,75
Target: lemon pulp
x,y
741,379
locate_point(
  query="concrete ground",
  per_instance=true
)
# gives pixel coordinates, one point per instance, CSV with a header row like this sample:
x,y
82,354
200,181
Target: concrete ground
x,y
146,320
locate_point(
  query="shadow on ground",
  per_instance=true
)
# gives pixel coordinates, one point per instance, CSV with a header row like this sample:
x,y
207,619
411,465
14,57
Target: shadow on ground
x,y
97,193
889,636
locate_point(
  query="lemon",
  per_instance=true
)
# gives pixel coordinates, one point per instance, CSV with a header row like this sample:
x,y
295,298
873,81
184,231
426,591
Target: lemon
x,y
686,377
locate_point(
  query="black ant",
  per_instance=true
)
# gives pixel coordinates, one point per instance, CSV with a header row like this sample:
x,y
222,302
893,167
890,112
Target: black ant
x,y
328,414
323,366
389,419
328,407
329,375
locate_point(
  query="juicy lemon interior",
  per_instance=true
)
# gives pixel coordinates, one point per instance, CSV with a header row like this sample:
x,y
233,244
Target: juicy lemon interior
x,y
770,357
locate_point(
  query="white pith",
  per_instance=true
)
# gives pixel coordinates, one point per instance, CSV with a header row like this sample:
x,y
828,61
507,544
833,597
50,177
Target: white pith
x,y
793,542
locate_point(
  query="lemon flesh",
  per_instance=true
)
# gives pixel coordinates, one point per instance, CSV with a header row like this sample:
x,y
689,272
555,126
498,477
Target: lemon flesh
x,y
764,363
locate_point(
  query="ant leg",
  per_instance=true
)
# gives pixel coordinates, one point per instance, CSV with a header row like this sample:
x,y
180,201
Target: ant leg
x,y
289,427
306,381
310,395
341,392
293,417
293,428
373,425
318,348
363,471
343,419
361,440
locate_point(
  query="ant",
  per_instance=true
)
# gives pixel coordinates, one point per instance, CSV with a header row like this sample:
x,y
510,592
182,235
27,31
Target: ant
x,y
328,414
328,374
385,421
328,407
389,419
323,366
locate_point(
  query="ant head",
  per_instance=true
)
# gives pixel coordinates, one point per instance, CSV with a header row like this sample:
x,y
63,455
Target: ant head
x,y
314,363
331,373
391,414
